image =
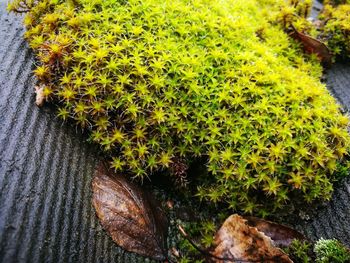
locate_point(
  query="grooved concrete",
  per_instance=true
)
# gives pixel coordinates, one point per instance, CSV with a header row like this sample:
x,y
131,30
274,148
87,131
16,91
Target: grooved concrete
x,y
46,213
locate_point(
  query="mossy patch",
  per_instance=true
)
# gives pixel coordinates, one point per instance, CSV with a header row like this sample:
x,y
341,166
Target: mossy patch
x,y
158,83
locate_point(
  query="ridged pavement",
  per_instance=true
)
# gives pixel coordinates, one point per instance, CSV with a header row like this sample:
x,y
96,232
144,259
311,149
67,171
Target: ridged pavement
x,y
45,171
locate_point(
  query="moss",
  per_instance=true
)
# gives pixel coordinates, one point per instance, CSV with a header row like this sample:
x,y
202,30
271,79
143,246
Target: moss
x,y
324,251
296,13
335,30
300,251
331,251
155,83
332,26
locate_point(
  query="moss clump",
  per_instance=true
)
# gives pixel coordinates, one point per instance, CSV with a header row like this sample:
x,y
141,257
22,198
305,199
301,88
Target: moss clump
x,y
331,251
332,26
335,30
296,13
160,83
300,251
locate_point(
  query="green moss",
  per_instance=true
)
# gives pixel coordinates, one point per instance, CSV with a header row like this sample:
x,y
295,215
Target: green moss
x,y
157,83
331,251
335,30
332,26
300,251
296,13
324,251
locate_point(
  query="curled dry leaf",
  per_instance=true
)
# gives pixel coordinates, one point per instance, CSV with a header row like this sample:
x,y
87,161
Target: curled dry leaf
x,y
40,98
130,216
281,235
313,46
236,241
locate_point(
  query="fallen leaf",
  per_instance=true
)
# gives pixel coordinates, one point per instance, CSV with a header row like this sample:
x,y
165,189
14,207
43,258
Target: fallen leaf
x,y
313,46
281,235
236,241
129,215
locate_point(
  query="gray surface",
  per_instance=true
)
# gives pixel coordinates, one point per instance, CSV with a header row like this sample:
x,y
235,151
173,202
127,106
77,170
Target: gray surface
x,y
46,170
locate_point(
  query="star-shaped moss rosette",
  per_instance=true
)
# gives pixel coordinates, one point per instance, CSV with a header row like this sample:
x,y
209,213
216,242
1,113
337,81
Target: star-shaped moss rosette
x,y
158,81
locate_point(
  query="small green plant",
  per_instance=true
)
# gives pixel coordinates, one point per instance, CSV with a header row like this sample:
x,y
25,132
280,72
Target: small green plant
x,y
158,84
342,170
331,251
300,251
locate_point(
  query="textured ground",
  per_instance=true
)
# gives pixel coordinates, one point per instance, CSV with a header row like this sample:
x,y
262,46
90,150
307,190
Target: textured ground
x,y
46,170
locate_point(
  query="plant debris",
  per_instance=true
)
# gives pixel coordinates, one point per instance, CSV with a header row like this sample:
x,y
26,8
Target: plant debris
x,y
40,97
236,241
129,215
281,235
313,46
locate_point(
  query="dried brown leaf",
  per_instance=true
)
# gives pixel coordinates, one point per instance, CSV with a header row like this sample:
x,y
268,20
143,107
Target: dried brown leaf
x,y
313,46
281,235
129,215
236,241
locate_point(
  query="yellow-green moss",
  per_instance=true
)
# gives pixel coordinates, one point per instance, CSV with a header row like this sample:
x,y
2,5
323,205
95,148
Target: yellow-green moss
x,y
335,30
159,81
332,26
